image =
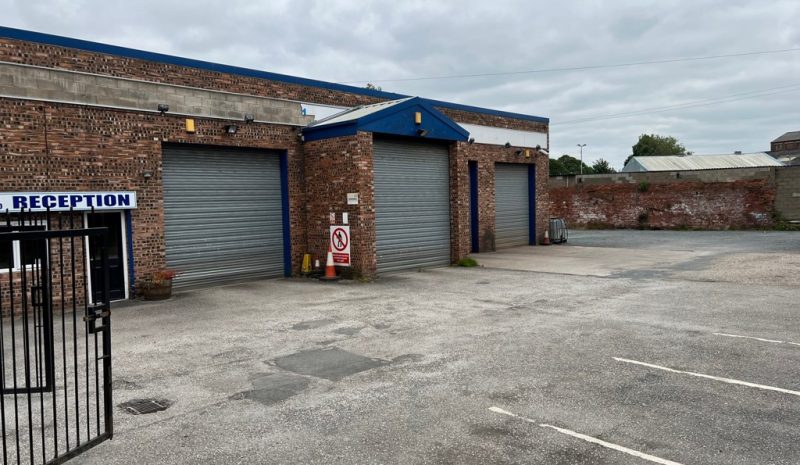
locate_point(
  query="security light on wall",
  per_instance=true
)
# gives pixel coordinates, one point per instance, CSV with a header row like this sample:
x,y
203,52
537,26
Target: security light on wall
x,y
147,174
422,132
163,108
508,145
249,118
518,152
471,140
231,129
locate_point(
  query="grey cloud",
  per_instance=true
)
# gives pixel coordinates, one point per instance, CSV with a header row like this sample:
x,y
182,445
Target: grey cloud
x,y
347,40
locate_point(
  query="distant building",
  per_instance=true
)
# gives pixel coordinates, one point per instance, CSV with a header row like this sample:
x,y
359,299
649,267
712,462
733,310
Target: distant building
x,y
700,162
786,148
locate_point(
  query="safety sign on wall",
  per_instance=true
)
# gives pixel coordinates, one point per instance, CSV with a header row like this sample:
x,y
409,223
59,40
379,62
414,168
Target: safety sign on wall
x,y
340,245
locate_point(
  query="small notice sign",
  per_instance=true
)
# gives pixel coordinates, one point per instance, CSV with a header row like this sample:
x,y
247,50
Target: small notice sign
x,y
352,198
340,245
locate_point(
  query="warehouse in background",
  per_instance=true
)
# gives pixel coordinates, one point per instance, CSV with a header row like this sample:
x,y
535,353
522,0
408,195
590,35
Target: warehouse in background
x,y
237,172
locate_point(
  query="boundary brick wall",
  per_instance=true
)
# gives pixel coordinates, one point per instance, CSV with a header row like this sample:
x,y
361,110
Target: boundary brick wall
x,y
787,200
707,199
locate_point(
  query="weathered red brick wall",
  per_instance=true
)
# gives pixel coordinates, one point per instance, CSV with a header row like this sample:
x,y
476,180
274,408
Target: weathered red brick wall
x,y
334,168
486,156
667,205
103,149
50,56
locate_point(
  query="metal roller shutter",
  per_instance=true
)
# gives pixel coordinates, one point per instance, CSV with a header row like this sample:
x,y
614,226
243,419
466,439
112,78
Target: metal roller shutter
x,y
222,214
512,205
412,204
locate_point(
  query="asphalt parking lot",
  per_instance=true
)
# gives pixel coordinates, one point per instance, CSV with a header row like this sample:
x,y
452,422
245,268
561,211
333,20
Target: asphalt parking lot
x,y
621,347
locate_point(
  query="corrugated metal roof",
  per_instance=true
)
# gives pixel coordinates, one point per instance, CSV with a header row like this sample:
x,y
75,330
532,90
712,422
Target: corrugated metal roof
x,y
794,135
355,113
700,162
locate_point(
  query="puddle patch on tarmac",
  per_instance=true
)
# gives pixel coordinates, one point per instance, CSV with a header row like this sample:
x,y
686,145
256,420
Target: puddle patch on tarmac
x,y
331,363
313,324
273,388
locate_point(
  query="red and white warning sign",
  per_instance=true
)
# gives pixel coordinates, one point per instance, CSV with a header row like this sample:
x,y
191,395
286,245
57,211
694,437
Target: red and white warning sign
x,y
340,245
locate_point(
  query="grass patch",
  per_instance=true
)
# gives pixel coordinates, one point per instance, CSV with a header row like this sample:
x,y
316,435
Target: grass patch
x,y
467,262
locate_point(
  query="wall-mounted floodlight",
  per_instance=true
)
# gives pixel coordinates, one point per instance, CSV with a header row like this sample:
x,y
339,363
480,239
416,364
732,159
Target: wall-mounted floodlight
x,y
422,132
163,108
249,118
231,129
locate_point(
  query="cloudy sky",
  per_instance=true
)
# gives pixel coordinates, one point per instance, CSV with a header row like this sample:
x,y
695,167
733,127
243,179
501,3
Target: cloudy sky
x,y
712,105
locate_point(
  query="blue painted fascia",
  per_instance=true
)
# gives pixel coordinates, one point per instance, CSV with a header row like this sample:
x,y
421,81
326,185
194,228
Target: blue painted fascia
x,y
287,236
532,204
89,46
474,222
347,128
131,265
394,120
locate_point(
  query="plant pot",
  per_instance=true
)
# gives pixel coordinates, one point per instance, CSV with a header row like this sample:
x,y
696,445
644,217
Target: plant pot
x,y
158,290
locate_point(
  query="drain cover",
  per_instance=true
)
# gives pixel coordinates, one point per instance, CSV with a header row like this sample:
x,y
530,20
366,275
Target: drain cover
x,y
145,406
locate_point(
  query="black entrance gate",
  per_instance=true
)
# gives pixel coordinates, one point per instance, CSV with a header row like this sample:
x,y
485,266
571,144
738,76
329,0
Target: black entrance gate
x,y
55,340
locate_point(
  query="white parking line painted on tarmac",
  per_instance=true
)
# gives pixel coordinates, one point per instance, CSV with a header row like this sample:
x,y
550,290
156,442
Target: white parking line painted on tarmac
x,y
773,341
593,440
715,378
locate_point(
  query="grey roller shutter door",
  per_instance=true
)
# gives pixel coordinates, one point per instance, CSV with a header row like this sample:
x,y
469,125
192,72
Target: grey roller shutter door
x,y
222,214
512,205
412,204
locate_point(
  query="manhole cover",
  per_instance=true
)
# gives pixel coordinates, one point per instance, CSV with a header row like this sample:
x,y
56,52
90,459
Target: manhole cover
x,y
145,406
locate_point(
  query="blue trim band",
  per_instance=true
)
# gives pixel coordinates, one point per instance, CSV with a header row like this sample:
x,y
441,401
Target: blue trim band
x,y
131,268
532,204
60,41
473,206
287,237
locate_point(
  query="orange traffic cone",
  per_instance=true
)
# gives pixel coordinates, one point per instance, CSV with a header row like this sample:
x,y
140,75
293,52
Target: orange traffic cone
x,y
330,270
546,240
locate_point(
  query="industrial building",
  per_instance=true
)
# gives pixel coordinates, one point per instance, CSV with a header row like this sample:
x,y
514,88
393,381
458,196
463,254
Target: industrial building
x,y
225,173
699,162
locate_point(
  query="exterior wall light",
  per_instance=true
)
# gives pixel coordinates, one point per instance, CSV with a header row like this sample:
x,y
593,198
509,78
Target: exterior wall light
x,y
249,118
163,108
508,145
147,174
231,129
422,132
471,140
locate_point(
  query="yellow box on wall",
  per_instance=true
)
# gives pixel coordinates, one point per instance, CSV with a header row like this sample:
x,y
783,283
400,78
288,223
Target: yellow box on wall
x,y
190,126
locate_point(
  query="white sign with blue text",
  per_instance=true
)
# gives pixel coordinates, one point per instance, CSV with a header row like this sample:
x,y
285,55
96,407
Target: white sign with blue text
x,y
66,201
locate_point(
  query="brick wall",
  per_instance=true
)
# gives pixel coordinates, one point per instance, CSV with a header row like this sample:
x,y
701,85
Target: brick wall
x,y
334,168
699,199
102,149
787,201
50,56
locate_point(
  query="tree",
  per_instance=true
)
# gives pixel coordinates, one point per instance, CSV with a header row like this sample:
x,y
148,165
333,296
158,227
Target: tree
x,y
650,145
602,166
566,165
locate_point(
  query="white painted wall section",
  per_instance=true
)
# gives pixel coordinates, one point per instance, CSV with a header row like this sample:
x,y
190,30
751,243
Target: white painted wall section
x,y
320,111
499,136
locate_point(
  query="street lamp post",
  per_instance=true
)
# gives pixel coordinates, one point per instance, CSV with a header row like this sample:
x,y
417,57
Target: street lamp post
x,y
581,146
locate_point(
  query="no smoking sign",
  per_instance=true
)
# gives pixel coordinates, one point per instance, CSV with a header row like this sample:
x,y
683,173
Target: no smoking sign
x,y
340,245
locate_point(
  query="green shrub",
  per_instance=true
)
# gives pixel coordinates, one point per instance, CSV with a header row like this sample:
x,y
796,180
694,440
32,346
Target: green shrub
x,y
467,262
